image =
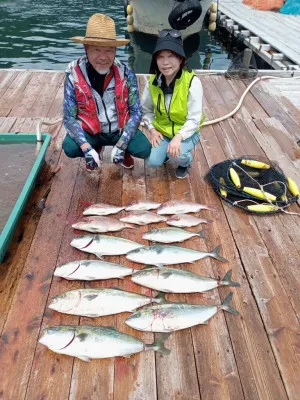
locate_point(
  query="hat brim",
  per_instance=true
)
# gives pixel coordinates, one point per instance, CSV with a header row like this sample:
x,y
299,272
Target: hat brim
x,y
100,42
170,45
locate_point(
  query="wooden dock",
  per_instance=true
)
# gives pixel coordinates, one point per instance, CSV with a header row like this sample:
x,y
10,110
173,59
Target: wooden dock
x,y
252,356
273,36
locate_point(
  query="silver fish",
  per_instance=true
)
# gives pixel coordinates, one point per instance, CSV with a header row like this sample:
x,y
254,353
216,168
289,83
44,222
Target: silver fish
x,y
142,218
171,280
170,235
175,316
97,224
182,207
186,220
143,205
90,270
168,255
88,342
99,302
102,209
104,245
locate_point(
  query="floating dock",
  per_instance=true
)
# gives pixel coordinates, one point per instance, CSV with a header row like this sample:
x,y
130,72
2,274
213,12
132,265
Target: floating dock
x,y
273,36
251,356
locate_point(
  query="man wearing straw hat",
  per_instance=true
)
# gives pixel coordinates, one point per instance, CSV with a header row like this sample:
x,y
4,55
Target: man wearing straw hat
x,y
101,100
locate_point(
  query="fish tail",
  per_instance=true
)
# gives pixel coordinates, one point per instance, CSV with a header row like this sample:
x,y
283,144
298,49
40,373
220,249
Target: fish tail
x,y
215,253
202,234
160,298
227,280
226,305
211,207
159,344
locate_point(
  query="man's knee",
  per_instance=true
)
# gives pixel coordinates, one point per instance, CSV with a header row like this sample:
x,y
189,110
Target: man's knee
x,y
71,149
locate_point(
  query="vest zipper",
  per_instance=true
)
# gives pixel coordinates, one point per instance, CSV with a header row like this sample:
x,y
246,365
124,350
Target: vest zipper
x,y
158,104
168,113
109,123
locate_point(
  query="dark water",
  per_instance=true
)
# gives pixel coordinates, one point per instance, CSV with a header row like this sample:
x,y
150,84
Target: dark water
x,y
16,163
35,35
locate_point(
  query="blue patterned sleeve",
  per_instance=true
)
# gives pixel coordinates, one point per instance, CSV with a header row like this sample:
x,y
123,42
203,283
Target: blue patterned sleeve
x,y
71,123
134,107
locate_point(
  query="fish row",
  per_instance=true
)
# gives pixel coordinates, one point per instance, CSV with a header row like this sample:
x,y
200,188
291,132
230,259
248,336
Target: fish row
x,y
87,342
159,255
169,207
99,224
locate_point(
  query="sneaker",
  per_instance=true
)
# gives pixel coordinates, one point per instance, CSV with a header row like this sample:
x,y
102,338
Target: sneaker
x,y
91,166
182,172
128,161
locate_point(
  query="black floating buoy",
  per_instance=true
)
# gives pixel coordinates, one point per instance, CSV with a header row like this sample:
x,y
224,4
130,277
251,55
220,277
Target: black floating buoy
x,y
185,14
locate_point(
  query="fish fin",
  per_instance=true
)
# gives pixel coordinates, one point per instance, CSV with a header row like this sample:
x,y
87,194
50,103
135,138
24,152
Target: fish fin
x,y
99,255
130,226
159,344
226,305
127,356
215,253
84,358
227,280
145,267
202,234
204,323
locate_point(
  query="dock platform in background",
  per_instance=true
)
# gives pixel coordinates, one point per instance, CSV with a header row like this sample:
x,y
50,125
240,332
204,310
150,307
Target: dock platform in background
x,y
251,356
273,36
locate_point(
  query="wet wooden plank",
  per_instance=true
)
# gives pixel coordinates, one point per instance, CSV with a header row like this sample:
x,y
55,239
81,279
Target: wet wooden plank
x,y
176,373
22,326
288,371
275,110
259,374
135,376
83,383
12,266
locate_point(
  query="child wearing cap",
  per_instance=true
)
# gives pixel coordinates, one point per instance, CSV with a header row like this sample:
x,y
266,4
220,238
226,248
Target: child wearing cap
x,y
172,105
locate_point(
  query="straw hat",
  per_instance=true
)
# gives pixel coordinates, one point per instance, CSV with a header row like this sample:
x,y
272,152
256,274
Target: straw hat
x,y
100,31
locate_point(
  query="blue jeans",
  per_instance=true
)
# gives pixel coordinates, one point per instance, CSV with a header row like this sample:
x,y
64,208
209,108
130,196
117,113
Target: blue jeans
x,y
159,153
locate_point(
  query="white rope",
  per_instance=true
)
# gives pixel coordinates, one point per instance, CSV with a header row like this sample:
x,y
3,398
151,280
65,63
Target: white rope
x,y
214,121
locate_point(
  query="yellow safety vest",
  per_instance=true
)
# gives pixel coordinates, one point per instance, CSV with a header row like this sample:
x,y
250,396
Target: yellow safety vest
x,y
169,123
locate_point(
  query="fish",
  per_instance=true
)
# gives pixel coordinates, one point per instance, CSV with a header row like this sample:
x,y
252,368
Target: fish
x,y
102,209
88,342
182,207
171,317
186,220
98,224
92,302
171,235
142,218
142,205
104,245
171,280
90,270
167,255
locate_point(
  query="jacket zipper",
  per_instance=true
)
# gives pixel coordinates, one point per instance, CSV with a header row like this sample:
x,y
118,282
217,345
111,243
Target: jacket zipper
x,y
168,113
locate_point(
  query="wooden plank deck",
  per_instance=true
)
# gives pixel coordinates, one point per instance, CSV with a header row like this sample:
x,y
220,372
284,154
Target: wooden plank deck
x,y
251,356
280,31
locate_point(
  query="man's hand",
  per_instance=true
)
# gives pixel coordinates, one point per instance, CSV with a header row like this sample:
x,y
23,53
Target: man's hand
x,y
174,148
117,155
91,157
155,137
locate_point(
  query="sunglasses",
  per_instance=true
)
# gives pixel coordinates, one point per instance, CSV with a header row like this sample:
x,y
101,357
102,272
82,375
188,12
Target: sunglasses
x,y
172,32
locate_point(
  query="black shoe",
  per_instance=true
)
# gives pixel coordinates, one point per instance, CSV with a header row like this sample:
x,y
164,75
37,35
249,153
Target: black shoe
x,y
167,159
182,172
